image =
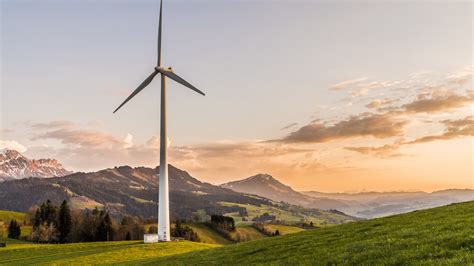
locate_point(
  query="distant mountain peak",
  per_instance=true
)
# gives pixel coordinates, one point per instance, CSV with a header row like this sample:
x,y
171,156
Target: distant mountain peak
x,y
13,165
263,177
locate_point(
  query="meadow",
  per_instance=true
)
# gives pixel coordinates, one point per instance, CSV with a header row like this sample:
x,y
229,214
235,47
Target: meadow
x,y
442,236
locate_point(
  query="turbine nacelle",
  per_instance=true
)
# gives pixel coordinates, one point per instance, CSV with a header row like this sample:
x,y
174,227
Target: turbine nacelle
x,y
158,69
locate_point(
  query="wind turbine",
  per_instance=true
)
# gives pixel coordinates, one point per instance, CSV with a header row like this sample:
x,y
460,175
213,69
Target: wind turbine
x,y
163,208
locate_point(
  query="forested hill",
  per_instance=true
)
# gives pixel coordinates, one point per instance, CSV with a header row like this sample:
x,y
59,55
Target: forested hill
x,y
134,191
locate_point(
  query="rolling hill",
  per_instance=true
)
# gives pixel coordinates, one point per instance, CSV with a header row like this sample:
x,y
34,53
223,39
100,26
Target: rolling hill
x,y
443,236
364,205
133,191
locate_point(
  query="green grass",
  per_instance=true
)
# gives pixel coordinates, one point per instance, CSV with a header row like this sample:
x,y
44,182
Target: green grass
x,y
284,229
6,216
19,253
246,233
325,218
439,236
208,235
443,236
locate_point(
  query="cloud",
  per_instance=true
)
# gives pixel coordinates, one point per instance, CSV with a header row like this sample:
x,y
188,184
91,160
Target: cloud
x,y
128,141
12,145
437,102
382,151
362,125
378,103
453,129
63,124
82,138
364,89
289,126
344,84
461,77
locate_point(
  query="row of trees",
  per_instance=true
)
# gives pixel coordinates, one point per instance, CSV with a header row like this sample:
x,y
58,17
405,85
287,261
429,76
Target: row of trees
x,y
60,224
53,224
223,222
265,230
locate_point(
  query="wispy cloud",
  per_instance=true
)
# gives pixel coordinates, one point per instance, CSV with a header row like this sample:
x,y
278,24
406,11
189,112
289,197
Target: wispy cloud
x,y
12,145
292,125
344,84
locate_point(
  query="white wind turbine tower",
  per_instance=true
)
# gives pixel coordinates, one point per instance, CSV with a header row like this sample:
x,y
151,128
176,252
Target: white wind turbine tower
x,y
163,209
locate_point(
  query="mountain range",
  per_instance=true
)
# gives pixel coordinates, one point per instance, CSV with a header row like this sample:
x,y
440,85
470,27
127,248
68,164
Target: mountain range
x,y
133,191
364,204
14,165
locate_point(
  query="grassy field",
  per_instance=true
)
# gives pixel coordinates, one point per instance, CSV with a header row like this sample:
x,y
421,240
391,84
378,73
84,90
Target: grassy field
x,y
246,233
325,218
443,235
6,216
283,229
208,235
20,253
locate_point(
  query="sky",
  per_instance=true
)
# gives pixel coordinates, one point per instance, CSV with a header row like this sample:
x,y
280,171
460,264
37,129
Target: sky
x,y
323,95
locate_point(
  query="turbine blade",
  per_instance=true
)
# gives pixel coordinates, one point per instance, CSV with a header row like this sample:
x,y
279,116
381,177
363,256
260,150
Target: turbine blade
x,y
170,74
137,90
159,35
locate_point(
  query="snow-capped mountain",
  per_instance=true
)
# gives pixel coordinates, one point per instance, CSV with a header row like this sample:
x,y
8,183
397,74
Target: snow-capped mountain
x,y
14,165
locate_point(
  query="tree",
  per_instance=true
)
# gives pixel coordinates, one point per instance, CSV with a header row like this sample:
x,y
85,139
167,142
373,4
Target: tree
x,y
64,222
14,230
153,229
200,216
105,231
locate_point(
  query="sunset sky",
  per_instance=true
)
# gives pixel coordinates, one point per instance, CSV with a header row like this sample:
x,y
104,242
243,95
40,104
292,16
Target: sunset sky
x,y
327,96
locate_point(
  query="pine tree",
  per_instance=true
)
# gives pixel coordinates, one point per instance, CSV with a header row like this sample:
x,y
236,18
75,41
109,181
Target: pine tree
x,y
64,222
14,230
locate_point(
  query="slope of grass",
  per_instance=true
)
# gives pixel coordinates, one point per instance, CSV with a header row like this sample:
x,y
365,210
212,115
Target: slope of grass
x,y
283,229
20,253
6,216
246,233
208,235
443,235
323,218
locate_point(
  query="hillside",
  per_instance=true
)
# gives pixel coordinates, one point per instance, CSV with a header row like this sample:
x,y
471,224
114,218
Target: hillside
x,y
364,205
20,253
265,185
6,216
442,235
133,191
